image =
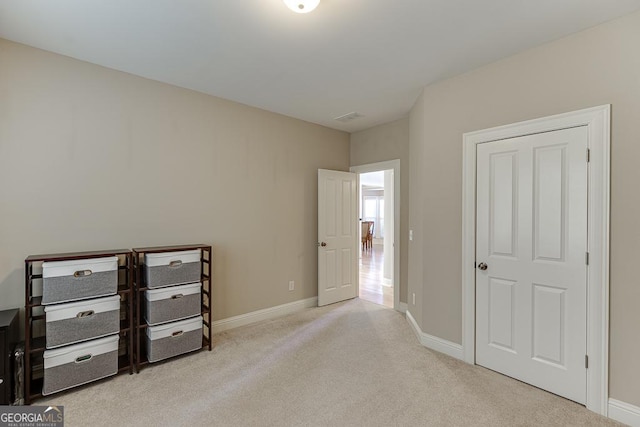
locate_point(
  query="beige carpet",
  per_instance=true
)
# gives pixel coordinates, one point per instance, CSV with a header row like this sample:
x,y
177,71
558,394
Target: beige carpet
x,y
348,364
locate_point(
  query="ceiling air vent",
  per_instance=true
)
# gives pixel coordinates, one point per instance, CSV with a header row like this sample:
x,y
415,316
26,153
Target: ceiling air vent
x,y
348,117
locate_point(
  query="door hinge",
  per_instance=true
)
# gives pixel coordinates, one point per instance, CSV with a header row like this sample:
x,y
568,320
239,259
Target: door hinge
x,y
588,155
586,258
586,361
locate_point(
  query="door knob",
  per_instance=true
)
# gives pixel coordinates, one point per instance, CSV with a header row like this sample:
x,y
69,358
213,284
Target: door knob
x,y
482,266
323,244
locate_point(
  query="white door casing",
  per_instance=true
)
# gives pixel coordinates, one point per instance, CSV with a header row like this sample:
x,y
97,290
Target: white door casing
x,y
597,122
337,236
531,225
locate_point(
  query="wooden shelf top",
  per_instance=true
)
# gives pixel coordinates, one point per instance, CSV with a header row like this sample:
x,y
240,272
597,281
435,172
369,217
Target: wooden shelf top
x,y
76,255
172,248
7,316
35,301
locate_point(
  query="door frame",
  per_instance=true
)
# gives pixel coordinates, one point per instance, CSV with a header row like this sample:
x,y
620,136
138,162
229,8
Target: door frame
x,y
597,120
375,167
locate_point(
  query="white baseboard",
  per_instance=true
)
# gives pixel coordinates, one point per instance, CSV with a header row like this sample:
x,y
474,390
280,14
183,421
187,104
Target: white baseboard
x,y
624,412
434,343
264,314
403,307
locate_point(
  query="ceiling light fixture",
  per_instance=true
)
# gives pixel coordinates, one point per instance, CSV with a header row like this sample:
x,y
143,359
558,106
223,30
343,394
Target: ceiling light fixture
x,y
302,6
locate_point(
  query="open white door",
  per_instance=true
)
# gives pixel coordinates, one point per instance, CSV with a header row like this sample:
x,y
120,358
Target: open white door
x,y
337,236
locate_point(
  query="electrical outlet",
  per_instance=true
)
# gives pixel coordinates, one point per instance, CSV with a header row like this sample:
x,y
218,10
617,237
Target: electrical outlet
x,y
410,234
414,299
292,285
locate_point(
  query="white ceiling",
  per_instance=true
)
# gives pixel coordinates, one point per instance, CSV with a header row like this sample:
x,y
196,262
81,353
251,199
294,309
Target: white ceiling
x,y
372,179
368,56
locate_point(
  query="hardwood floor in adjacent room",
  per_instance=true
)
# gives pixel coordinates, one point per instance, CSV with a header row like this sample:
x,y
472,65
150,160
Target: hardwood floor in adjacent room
x,y
371,278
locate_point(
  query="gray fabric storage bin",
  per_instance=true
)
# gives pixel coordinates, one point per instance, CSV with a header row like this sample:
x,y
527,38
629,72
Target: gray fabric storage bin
x,y
83,320
173,339
172,268
64,281
73,365
172,303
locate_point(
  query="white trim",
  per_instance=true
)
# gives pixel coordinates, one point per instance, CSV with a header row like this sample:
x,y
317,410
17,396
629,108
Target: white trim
x,y
380,166
403,307
597,120
624,412
264,314
434,343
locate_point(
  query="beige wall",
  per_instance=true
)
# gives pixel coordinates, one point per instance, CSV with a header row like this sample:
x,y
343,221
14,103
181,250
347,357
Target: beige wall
x,y
598,66
415,286
92,158
389,141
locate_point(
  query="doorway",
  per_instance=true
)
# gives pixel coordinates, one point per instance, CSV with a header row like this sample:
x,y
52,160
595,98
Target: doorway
x,y
594,156
378,275
376,242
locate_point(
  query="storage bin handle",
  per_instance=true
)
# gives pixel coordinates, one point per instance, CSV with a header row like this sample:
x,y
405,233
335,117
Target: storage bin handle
x,y
84,358
176,263
82,273
176,296
177,333
87,313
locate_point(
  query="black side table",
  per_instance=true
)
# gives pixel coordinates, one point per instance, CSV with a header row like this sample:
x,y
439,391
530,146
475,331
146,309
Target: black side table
x,y
8,338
